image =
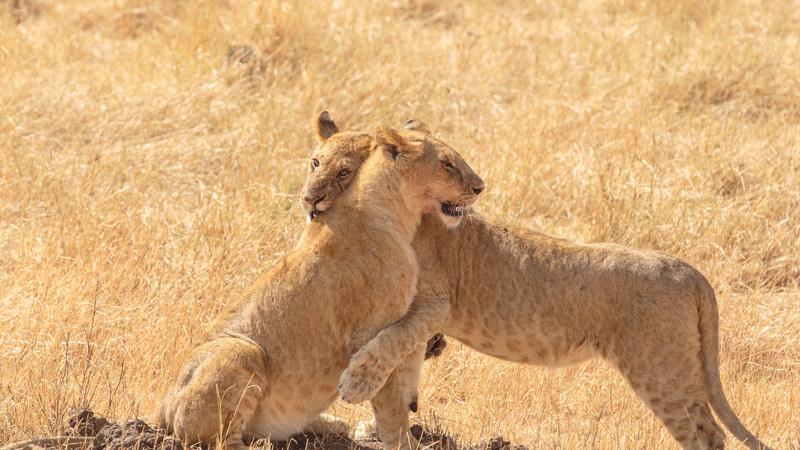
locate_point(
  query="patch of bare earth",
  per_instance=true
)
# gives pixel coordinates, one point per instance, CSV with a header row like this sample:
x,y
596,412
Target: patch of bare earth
x,y
90,431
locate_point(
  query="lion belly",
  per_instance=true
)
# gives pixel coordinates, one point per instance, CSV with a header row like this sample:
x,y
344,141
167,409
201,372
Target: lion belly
x,y
517,332
291,406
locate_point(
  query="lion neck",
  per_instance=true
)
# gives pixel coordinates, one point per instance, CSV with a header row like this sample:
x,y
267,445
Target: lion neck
x,y
378,197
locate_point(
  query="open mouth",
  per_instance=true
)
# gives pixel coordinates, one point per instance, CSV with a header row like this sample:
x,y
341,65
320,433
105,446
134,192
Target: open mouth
x,y
452,209
313,214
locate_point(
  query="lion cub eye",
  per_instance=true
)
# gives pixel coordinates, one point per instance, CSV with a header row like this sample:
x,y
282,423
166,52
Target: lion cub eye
x,y
314,163
448,165
343,173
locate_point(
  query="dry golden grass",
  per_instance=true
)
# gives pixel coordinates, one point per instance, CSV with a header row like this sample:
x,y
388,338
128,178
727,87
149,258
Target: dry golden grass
x,y
145,180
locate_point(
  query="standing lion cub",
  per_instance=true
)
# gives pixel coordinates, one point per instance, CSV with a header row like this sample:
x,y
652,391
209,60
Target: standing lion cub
x,y
271,363
653,316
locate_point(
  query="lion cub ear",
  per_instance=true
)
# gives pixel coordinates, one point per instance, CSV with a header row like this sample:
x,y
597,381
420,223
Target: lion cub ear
x,y
417,125
324,127
391,140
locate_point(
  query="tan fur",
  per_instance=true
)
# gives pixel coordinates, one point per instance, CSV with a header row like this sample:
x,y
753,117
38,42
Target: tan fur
x,y
271,363
526,297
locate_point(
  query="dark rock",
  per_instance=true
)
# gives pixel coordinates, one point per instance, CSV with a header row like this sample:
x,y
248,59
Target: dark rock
x,y
84,422
497,443
433,439
135,434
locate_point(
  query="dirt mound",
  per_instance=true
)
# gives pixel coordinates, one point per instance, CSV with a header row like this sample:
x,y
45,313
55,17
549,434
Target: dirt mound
x,y
89,431
134,434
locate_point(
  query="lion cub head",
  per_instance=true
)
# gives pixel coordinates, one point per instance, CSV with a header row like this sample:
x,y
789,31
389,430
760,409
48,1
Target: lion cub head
x,y
437,175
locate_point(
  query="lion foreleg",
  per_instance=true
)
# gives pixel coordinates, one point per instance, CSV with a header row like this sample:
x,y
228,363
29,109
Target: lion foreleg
x,y
408,373
391,415
371,366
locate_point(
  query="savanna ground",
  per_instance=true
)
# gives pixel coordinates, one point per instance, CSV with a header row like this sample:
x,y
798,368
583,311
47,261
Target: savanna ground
x,y
146,180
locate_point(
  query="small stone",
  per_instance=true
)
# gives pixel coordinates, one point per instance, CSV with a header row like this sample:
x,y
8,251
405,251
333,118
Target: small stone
x,y
84,422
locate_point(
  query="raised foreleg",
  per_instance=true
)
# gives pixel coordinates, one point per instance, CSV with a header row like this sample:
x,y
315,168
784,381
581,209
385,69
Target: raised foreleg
x,y
371,366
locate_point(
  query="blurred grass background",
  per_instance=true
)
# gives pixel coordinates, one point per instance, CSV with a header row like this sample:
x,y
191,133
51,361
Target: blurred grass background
x,y
151,152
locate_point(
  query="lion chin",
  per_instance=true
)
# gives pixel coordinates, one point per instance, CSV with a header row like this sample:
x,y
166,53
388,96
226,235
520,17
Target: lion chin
x,y
452,213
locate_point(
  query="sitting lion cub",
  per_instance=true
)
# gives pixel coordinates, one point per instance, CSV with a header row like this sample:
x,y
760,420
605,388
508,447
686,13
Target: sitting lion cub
x,y
653,316
271,363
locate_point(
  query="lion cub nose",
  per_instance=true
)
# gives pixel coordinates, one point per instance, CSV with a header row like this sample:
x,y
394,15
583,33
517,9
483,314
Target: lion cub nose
x,y
313,200
478,189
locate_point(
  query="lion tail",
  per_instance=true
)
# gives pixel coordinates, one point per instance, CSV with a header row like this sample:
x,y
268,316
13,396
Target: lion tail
x,y
709,338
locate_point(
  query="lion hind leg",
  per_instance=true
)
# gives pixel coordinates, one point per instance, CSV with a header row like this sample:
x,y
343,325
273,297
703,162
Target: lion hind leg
x,y
676,395
220,399
691,424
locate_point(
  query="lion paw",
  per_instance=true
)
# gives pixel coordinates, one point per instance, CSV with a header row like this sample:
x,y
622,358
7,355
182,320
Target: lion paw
x,y
360,381
325,424
366,430
435,346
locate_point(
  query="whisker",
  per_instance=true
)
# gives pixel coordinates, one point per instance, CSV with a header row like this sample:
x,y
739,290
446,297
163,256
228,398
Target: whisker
x,y
296,204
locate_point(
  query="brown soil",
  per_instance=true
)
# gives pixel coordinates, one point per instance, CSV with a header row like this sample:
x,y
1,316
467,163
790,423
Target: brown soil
x,y
138,435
